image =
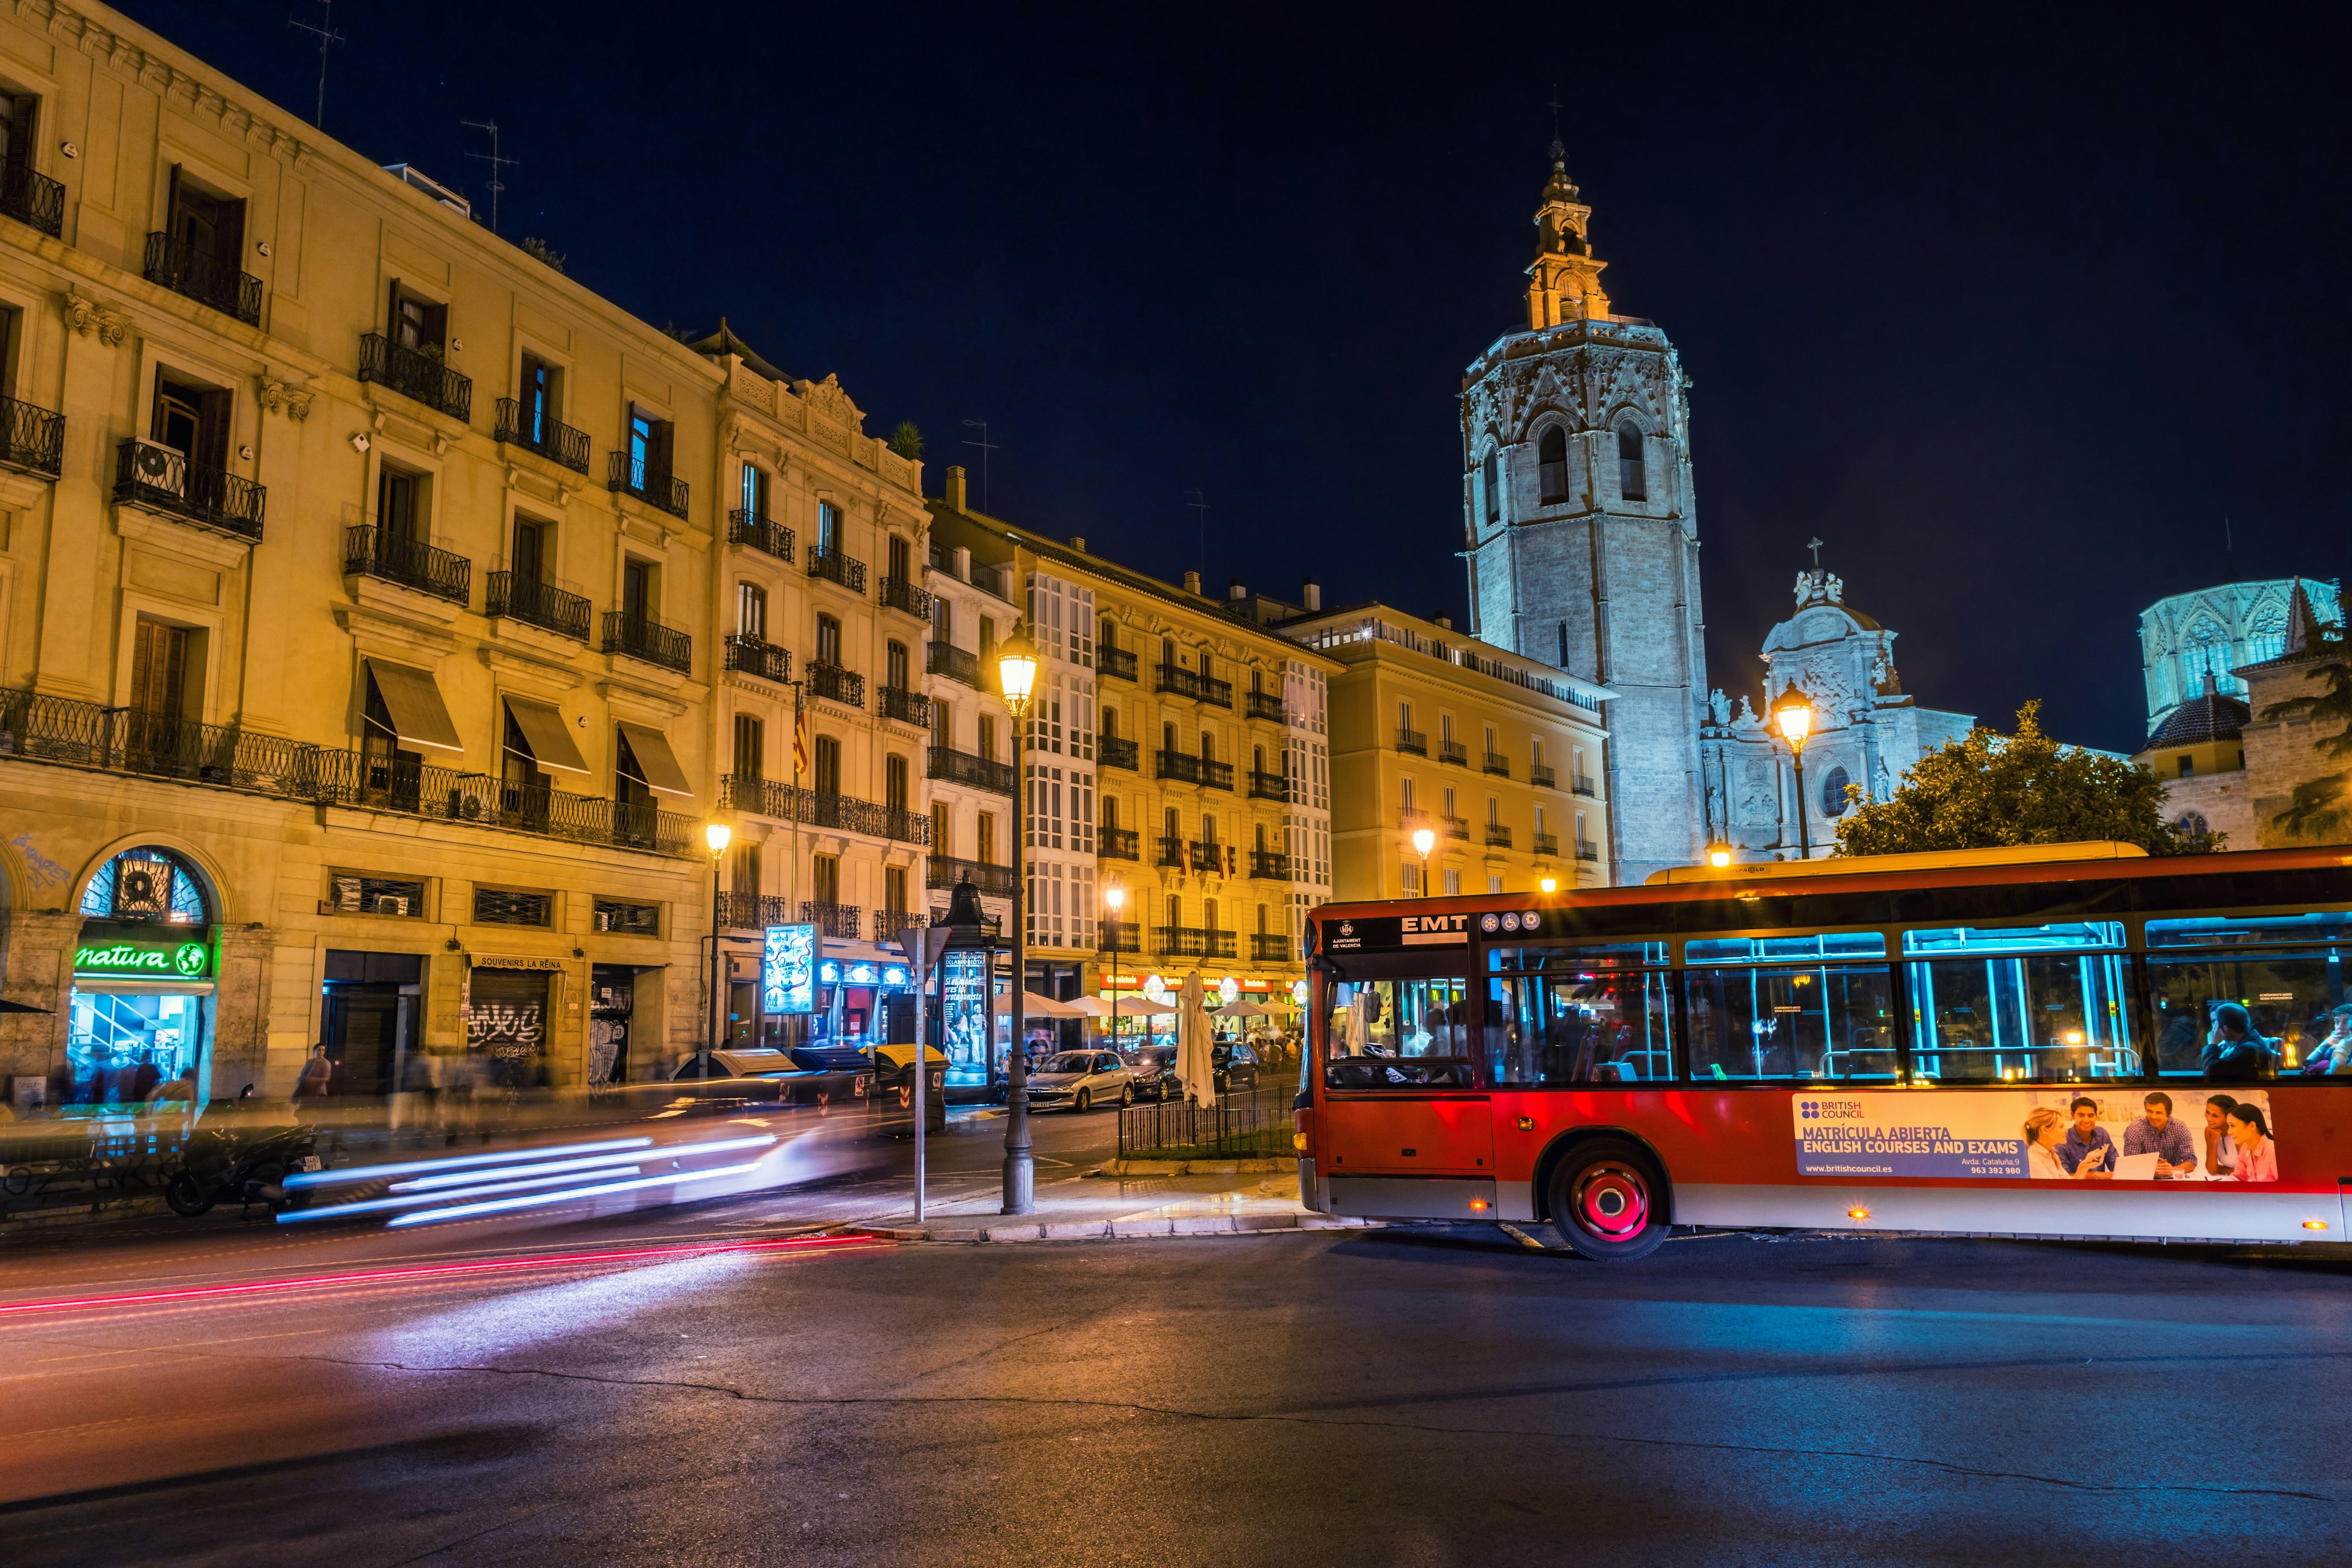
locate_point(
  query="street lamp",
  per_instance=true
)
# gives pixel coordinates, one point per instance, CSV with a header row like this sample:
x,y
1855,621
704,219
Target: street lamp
x,y
1116,897
717,834
1795,717
1549,884
1016,678
1718,854
1424,841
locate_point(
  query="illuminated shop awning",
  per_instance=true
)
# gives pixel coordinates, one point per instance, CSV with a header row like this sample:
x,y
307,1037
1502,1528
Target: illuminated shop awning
x,y
543,731
419,717
656,764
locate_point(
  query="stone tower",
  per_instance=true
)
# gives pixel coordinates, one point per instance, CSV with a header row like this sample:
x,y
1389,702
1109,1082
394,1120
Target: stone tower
x,y
1582,532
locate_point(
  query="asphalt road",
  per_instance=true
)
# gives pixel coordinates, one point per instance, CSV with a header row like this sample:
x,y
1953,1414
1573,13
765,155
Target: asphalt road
x,y
1401,1396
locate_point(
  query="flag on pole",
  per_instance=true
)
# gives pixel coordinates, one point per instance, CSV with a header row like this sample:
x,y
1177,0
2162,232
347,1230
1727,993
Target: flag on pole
x,y
800,740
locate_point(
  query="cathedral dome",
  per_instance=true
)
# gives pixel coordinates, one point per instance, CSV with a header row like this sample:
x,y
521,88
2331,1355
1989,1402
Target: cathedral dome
x,y
2207,716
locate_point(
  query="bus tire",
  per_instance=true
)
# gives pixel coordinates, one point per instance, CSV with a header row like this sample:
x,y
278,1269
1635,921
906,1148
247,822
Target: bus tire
x,y
1608,1200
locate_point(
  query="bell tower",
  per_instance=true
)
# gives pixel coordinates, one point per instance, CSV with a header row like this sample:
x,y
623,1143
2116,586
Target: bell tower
x,y
1581,531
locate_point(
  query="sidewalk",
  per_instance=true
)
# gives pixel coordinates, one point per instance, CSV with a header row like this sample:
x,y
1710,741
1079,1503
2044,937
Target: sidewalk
x,y
1090,1208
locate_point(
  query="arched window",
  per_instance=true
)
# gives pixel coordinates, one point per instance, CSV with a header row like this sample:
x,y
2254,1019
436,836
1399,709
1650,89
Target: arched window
x,y
1493,485
1834,788
1632,472
1552,465
148,884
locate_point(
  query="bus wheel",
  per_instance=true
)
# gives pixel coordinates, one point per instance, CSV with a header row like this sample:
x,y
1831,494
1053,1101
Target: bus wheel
x,y
1606,1199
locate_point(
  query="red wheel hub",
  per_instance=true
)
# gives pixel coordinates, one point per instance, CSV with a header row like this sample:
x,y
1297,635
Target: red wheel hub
x,y
1612,1203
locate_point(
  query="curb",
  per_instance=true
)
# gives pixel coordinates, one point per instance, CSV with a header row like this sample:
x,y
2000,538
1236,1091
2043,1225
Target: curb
x,y
1194,1167
1125,1229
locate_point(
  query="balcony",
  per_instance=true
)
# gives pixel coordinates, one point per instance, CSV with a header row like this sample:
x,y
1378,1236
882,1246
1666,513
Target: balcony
x,y
955,663
993,881
539,604
768,538
1119,663
1169,852
907,707
372,551
1587,850
180,266
1269,865
416,374
1208,857
1583,784
1179,681
748,654
1118,936
835,684
1540,776
31,439
1498,836
643,637
1412,742
897,593
976,772
1544,845
811,808
1264,786
557,442
1456,827
1191,941
753,912
1186,768
59,730
1499,764
1266,705
838,920
1114,752
31,197
148,474
1272,947
1454,754
630,477
833,566
1118,844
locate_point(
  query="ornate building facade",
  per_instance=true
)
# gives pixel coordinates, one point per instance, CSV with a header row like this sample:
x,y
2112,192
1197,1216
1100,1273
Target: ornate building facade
x,y
2212,631
1581,530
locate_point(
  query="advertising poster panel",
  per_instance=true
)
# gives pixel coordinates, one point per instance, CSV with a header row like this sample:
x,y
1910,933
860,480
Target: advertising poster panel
x,y
964,1008
788,969
2102,1131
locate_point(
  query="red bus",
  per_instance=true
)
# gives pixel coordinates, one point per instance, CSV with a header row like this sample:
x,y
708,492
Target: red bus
x,y
2066,1040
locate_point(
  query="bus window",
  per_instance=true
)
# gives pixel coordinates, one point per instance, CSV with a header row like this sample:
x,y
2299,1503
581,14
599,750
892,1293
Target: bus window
x,y
2244,1016
1767,949
2238,931
1560,1026
2009,1004
1824,1021
1398,1034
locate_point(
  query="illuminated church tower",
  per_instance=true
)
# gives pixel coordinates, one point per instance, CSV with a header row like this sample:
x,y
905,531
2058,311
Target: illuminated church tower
x,y
1580,529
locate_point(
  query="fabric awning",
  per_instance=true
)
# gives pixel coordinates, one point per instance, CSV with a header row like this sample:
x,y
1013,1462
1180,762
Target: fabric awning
x,y
543,731
419,717
656,764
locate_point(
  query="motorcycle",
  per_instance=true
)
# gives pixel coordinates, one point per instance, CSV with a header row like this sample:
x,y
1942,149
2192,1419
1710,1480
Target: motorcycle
x,y
247,1165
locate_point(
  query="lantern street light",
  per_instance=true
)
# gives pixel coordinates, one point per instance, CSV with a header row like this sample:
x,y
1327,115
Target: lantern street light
x,y
1016,677
1116,897
1549,884
717,834
1718,854
1424,841
1795,717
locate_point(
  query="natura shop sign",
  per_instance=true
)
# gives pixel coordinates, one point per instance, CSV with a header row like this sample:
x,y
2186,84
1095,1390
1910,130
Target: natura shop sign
x,y
144,958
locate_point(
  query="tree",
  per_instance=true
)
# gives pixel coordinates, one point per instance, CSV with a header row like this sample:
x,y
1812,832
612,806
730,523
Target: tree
x,y
908,441
1989,790
2321,808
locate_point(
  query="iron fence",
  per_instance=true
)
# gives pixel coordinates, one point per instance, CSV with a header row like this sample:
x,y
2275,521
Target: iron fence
x,y
539,604
1252,1126
634,476
152,475
418,373
747,527
30,196
834,567
541,433
978,772
176,265
642,636
31,438
372,552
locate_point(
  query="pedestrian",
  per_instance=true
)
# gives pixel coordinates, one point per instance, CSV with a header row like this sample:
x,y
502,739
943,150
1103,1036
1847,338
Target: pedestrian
x,y
311,1082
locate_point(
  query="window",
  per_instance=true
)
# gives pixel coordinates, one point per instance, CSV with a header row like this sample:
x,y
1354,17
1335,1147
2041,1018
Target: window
x,y
828,527
1822,1021
824,877
390,898
629,786
745,880
828,639
210,232
2030,1002
16,115
985,849
1208,747
2186,765
751,611
650,449
1552,465
1453,884
894,898
899,557
1493,486
893,783
750,746
399,504
418,324
986,736
159,670
639,600
1632,481
755,491
1404,788
528,561
1833,787
191,419
828,765
1563,1019
987,645
511,907
523,787
540,408
149,883
895,662
940,817
1398,1034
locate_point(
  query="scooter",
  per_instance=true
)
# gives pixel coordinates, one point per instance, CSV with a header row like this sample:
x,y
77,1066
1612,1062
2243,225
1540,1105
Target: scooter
x,y
250,1166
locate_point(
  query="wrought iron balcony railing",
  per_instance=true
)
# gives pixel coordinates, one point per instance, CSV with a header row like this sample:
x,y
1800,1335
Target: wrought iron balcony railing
x,y
767,538
753,912
643,637
1587,850
947,870
1457,827
1272,947
905,706
812,808
1264,785
32,197
1170,852
1540,776
1583,784
833,566
1113,751
549,437
154,476
1186,768
31,439
1118,844
1544,843
1208,857
636,479
1498,836
1412,741
897,593
1454,752
1118,936
748,654
538,604
835,684
1119,663
1191,941
416,375
840,921
183,268
1264,705
1499,764
1181,681
372,552
955,663
1270,865
965,768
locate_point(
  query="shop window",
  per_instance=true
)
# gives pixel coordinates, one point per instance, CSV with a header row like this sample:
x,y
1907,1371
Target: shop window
x,y
511,907
148,884
624,917
358,893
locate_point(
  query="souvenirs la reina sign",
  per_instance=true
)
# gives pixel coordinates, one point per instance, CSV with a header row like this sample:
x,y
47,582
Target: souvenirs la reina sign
x,y
148,958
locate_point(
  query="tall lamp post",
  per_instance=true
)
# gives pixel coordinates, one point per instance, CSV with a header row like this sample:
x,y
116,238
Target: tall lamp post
x,y
717,834
1795,717
1016,675
1116,897
1424,841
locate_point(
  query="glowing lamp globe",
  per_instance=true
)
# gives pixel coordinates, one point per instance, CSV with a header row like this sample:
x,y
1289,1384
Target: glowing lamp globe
x,y
1016,669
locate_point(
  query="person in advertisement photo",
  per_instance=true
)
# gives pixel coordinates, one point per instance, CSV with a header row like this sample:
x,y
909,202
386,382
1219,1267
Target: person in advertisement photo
x,y
2159,1132
2038,1135
2086,1150
2257,1158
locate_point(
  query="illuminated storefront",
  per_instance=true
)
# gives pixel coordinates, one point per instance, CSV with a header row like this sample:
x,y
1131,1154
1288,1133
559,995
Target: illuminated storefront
x,y
145,966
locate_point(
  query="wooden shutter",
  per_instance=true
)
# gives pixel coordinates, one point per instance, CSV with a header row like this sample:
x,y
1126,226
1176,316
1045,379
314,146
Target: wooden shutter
x,y
228,240
213,417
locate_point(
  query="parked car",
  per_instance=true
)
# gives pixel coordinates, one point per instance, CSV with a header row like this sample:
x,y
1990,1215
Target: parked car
x,y
1081,1081
1236,1067
1153,1070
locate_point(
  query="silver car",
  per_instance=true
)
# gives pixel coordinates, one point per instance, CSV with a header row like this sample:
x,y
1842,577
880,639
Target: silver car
x,y
1081,1081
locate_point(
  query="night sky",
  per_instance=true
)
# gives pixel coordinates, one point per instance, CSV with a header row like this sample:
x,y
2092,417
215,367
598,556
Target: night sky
x,y
2011,309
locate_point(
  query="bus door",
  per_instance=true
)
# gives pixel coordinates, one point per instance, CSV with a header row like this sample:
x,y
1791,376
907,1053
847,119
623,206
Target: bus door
x,y
1397,1078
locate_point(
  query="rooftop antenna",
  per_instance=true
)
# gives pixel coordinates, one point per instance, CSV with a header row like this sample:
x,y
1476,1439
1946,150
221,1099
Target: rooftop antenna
x,y
1815,546
328,37
2229,540
496,163
1199,505
1558,148
985,448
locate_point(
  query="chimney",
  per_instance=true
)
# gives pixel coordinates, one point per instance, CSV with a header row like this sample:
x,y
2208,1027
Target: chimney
x,y
1445,622
1311,594
955,486
1191,582
1234,592
1079,543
